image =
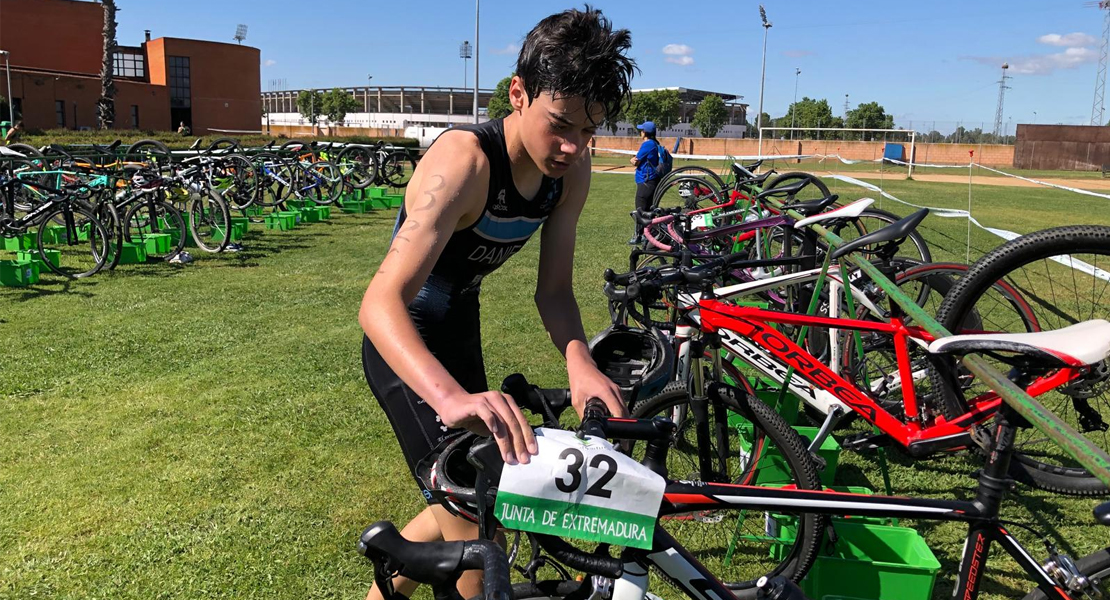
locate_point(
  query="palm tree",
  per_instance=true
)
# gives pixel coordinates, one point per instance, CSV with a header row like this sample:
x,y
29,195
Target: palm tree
x,y
106,105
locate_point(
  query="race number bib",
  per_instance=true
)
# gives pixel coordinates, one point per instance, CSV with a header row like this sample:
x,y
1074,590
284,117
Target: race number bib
x,y
581,488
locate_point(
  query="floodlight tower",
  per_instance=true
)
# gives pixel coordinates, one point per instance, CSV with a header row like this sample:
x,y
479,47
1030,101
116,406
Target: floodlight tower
x,y
1002,87
762,75
1097,114
240,33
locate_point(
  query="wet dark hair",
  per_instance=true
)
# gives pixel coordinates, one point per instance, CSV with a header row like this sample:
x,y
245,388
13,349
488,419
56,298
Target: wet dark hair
x,y
577,53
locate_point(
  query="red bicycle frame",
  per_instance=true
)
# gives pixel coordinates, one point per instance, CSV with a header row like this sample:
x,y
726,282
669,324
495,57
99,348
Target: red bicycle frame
x,y
941,433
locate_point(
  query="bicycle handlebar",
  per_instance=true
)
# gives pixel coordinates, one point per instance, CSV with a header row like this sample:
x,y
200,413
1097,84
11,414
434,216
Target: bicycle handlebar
x,y
436,563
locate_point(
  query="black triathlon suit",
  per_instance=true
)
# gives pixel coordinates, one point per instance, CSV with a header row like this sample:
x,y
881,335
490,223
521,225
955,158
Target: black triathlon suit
x,y
445,310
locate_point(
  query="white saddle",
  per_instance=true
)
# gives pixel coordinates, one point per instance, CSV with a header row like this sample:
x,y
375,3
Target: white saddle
x,y
852,210
1082,344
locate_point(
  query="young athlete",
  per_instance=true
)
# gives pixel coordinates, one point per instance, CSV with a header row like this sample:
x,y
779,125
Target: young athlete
x,y
475,199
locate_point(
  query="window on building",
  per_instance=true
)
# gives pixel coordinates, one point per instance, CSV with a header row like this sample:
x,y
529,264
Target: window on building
x,y
180,88
134,116
60,113
129,64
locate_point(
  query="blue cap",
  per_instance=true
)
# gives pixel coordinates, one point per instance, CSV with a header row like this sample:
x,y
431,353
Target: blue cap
x,y
648,126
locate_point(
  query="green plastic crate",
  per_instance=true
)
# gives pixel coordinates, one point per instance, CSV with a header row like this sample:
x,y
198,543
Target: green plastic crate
x,y
18,273
310,215
54,256
243,223
300,204
773,469
253,211
296,214
280,221
23,241
54,234
325,212
157,243
873,562
131,254
357,206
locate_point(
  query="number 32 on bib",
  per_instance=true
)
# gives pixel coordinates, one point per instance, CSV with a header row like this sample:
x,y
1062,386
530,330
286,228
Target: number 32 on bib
x,y
581,488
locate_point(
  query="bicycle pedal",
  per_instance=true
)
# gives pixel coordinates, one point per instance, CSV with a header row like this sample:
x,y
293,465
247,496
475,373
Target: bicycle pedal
x,y
862,442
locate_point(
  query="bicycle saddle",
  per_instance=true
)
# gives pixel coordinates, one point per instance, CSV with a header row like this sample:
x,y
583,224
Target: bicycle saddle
x,y
897,230
785,190
1078,345
844,212
812,207
1102,514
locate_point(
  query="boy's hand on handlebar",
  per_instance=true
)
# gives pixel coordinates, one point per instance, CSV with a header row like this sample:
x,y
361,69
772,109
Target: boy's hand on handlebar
x,y
587,382
496,414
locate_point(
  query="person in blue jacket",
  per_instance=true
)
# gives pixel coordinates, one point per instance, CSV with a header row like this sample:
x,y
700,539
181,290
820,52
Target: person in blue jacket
x,y
647,173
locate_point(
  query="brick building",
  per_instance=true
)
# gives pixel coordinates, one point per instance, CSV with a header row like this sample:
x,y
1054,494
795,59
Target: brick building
x,y
56,47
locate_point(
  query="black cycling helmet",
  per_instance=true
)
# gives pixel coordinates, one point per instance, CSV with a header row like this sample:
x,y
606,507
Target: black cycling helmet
x,y
640,361
449,477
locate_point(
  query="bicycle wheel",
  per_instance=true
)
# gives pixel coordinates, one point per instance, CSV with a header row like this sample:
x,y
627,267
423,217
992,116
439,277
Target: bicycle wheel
x,y
274,180
209,220
397,168
237,181
356,164
1096,567
690,192
323,180
108,216
694,171
872,219
149,218
740,545
222,146
1041,281
149,151
72,242
816,189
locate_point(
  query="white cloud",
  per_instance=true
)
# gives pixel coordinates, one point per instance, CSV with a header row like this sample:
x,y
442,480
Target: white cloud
x,y
679,54
1069,40
269,62
1043,64
510,49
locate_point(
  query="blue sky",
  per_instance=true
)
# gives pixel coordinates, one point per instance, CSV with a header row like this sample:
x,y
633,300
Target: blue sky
x,y
924,62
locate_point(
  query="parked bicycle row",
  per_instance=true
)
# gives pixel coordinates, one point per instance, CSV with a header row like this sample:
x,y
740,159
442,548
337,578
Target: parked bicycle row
x,y
744,311
81,210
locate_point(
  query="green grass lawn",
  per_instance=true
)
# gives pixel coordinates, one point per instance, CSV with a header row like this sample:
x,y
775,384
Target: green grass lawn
x,y
206,431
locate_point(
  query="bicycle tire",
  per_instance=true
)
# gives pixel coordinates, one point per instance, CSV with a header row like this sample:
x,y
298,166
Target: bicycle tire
x,y
223,146
922,252
271,192
149,150
327,179
969,300
240,178
25,149
209,220
696,171
398,168
769,431
792,176
70,248
108,216
165,218
357,160
1095,566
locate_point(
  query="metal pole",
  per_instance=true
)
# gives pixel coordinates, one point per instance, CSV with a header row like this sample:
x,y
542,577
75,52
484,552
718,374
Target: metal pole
x,y
762,76
477,4
913,139
794,107
8,70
